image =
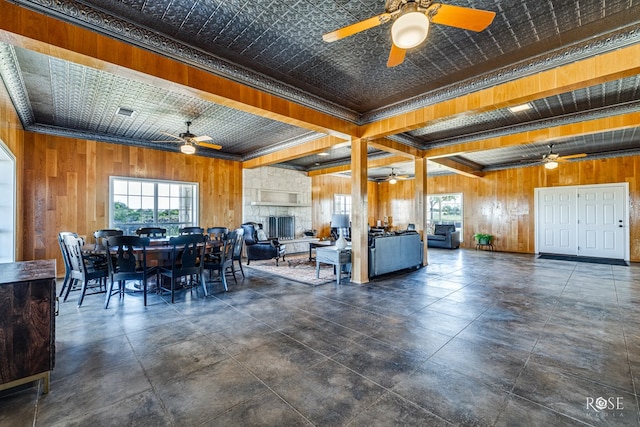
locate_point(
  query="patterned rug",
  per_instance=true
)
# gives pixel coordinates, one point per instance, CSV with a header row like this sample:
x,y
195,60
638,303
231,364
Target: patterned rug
x,y
296,267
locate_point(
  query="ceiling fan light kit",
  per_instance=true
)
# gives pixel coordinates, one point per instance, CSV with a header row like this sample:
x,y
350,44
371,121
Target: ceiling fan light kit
x,y
410,29
187,148
551,165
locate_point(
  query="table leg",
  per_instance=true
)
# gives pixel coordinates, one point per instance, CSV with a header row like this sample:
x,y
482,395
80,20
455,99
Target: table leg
x,y
317,269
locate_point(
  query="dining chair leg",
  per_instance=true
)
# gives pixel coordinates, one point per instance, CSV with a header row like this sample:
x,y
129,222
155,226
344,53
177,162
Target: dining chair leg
x,y
223,279
82,292
65,282
72,283
241,270
204,285
144,289
107,297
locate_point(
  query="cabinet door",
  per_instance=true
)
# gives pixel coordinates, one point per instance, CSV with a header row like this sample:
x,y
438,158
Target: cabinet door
x,y
26,329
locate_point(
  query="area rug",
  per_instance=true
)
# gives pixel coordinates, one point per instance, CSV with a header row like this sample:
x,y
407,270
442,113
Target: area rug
x,y
296,267
593,260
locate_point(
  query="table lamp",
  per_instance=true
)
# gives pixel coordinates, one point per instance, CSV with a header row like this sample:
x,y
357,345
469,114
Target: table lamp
x,y
340,222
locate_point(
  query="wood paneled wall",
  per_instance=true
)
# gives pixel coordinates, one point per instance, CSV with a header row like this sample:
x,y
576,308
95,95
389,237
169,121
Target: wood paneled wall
x,y
323,187
66,187
500,203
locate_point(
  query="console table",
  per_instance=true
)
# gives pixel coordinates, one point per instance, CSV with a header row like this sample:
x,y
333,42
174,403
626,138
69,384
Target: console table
x,y
334,256
27,315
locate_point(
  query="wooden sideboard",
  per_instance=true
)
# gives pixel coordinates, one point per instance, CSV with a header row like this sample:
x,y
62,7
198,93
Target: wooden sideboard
x,y
27,322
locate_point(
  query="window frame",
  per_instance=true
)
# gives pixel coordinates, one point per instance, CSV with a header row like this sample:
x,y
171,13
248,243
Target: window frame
x,y
429,213
171,227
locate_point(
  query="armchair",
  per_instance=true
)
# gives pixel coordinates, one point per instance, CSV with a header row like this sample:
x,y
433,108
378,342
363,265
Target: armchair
x,y
259,249
444,236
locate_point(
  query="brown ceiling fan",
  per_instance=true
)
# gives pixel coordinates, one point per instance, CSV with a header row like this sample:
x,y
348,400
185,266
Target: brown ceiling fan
x,y
411,23
190,141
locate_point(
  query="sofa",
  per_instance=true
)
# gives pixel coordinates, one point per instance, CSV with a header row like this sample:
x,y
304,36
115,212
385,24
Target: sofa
x,y
444,236
394,251
259,247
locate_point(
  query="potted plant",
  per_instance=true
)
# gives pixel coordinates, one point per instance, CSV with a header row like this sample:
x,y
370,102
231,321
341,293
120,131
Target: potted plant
x,y
483,238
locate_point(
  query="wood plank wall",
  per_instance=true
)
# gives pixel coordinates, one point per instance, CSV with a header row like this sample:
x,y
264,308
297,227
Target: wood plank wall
x,y
323,187
500,203
66,187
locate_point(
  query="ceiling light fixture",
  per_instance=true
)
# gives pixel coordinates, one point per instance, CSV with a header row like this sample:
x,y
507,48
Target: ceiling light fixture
x,y
411,28
393,180
551,165
187,148
519,108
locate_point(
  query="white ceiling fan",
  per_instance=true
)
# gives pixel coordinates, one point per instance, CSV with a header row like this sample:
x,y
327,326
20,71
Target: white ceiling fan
x,y
190,141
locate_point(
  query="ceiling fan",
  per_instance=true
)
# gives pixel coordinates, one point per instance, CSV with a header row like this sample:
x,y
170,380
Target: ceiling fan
x,y
190,141
411,23
393,177
551,159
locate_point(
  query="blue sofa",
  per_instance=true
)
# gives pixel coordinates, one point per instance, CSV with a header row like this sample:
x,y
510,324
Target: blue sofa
x,y
444,236
393,252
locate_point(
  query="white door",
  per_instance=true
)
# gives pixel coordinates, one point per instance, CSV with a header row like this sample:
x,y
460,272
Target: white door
x,y
583,220
601,221
557,219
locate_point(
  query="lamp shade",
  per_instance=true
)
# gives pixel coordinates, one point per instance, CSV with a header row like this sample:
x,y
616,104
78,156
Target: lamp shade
x,y
187,148
551,165
410,29
340,221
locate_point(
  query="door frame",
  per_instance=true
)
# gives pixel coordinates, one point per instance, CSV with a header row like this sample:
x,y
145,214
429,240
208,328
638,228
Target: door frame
x,y
625,213
7,156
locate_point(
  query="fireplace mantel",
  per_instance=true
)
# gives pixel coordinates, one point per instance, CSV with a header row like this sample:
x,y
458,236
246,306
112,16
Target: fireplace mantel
x,y
279,198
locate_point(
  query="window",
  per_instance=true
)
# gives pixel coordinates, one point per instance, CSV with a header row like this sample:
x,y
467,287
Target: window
x,y
136,203
445,209
342,204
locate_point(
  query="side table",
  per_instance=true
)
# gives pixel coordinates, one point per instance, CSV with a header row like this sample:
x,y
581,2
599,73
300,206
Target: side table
x,y
319,244
334,256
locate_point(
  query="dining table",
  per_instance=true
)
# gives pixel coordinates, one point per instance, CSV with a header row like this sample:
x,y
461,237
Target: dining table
x,y
158,253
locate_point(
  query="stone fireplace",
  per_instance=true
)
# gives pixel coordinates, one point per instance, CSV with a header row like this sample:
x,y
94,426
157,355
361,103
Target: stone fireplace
x,y
280,200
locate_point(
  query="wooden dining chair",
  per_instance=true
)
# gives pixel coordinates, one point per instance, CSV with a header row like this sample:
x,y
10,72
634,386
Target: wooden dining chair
x,y
83,270
191,230
98,235
128,262
237,251
223,260
151,232
65,260
187,260
217,233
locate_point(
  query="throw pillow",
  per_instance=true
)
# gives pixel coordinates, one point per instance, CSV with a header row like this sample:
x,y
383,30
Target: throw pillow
x,y
261,234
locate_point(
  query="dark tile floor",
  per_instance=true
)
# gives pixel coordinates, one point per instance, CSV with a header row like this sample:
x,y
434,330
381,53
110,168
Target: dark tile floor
x,y
475,338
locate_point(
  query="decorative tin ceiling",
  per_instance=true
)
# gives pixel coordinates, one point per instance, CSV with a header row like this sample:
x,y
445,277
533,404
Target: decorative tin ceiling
x,y
278,48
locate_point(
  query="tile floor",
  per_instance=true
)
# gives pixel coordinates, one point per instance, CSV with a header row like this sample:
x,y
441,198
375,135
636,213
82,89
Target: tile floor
x,y
475,338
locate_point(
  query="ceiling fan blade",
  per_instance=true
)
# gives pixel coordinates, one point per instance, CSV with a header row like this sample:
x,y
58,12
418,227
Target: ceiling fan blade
x,y
209,145
202,138
352,29
463,17
396,56
172,136
573,156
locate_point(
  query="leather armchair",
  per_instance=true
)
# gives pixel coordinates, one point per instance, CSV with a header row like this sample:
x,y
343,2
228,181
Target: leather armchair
x,y
257,249
444,236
